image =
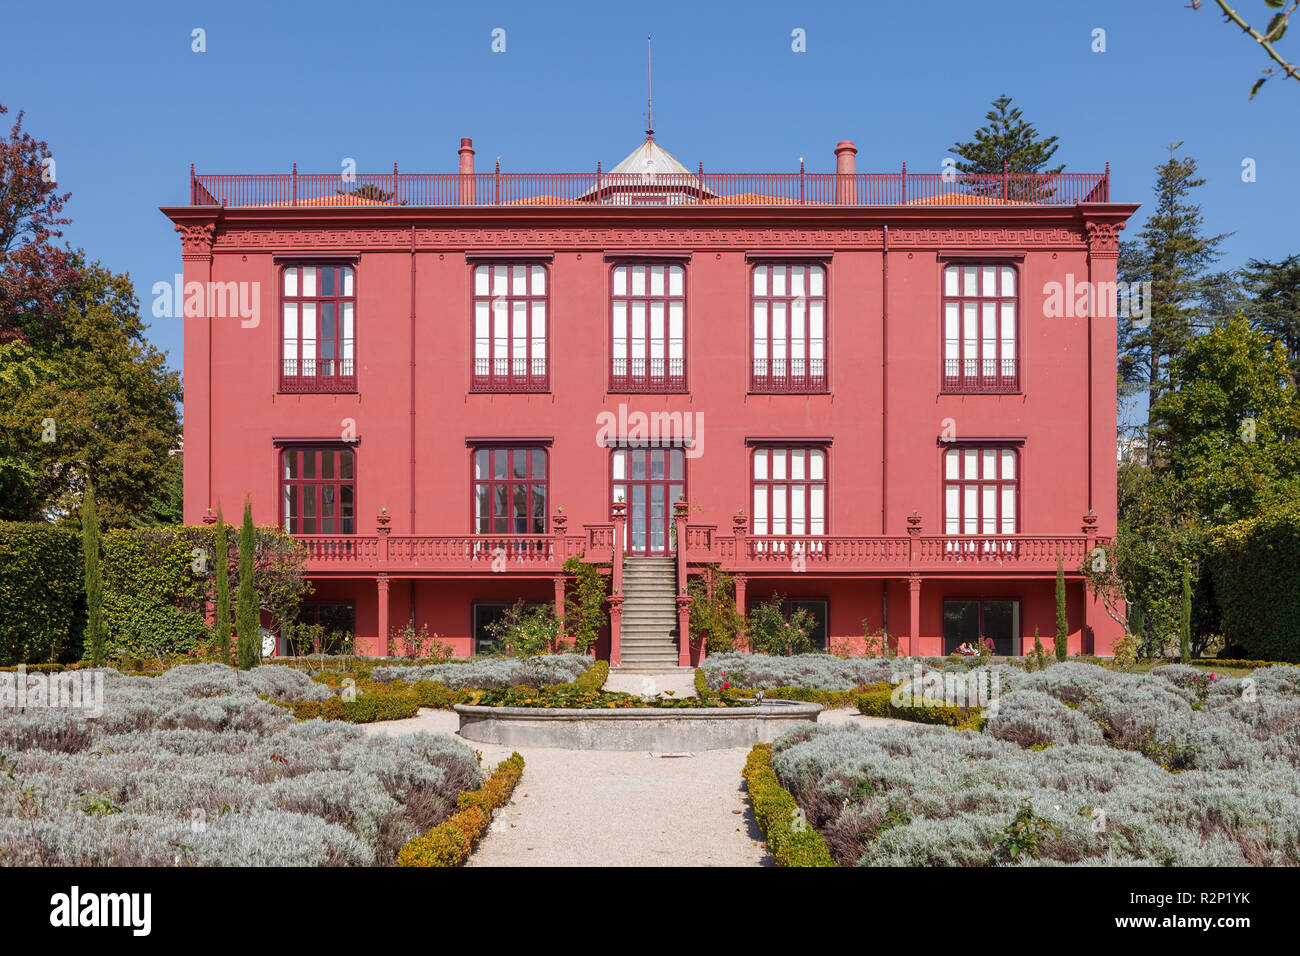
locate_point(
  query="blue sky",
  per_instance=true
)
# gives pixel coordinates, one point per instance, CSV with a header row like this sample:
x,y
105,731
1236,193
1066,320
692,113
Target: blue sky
x,y
126,105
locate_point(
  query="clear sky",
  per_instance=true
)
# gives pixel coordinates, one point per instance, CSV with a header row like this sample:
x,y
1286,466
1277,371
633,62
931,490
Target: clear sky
x,y
126,105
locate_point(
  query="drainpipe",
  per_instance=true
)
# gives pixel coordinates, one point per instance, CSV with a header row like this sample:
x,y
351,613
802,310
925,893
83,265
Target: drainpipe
x,y
884,385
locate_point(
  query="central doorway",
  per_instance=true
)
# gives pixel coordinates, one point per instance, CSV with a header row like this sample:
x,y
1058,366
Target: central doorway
x,y
648,481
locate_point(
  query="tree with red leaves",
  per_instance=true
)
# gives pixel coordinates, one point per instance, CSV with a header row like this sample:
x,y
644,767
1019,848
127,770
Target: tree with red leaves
x,y
83,396
32,270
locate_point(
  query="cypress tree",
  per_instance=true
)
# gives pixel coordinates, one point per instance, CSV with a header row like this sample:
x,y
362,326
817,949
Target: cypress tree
x,y
1185,619
221,625
1040,656
246,610
1062,627
94,578
1137,621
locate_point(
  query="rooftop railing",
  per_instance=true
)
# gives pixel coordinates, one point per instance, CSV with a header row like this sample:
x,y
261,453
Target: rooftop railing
x,y
649,189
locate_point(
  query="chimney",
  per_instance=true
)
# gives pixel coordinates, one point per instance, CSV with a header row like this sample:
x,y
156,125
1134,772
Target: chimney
x,y
846,186
468,192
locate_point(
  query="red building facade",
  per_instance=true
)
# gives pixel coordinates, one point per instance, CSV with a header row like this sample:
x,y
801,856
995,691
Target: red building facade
x,y
848,390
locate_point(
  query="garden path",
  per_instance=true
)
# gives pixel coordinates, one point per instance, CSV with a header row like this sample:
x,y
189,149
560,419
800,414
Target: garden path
x,y
615,808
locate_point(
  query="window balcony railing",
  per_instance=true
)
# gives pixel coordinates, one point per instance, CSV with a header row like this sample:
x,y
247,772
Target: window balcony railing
x,y
648,375
986,376
510,375
788,375
318,375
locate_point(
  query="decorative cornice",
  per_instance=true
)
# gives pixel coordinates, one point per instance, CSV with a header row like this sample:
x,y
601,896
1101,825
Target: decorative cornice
x,y
1103,238
545,239
196,239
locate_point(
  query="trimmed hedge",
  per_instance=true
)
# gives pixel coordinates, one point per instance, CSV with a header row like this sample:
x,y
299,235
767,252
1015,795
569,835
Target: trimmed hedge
x,y
154,599
1255,572
879,703
42,593
374,702
790,839
450,843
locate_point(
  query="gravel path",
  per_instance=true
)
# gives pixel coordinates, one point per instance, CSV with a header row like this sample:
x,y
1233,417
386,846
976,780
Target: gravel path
x,y
615,808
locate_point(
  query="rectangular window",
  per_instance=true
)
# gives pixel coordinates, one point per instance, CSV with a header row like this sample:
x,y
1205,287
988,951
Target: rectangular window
x,y
318,327
788,333
487,614
318,490
510,490
648,328
969,622
980,305
820,611
511,307
981,490
789,491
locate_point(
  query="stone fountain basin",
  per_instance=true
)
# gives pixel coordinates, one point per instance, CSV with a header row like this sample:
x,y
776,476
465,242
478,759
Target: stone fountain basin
x,y
660,729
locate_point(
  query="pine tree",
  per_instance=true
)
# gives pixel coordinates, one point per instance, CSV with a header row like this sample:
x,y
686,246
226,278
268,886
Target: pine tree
x,y
1062,627
1275,308
1185,619
1006,143
1172,255
94,578
221,623
250,653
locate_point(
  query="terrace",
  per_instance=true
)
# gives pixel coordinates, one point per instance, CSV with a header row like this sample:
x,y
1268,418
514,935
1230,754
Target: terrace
x,y
646,187
736,551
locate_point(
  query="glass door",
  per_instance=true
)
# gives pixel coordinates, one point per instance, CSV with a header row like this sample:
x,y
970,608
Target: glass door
x,y
648,481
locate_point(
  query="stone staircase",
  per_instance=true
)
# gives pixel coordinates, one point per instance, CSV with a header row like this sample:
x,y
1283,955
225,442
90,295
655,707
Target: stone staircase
x,y
648,637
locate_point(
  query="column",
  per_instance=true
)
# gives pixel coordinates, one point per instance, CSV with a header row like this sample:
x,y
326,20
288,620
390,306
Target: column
x,y
740,580
618,514
914,614
381,583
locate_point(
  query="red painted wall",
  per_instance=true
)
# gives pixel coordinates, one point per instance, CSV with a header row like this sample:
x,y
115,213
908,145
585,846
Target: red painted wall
x,y
234,413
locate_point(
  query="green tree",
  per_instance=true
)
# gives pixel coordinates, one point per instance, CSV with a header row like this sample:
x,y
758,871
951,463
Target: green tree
x,y
1007,143
246,616
1172,254
221,621
1137,621
1228,431
82,394
94,577
1274,308
1185,619
1062,625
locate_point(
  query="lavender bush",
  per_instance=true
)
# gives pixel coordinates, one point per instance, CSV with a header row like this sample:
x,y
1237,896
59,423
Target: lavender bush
x,y
194,767
491,673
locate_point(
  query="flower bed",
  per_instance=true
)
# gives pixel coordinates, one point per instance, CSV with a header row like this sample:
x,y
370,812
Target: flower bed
x,y
450,843
204,765
1076,764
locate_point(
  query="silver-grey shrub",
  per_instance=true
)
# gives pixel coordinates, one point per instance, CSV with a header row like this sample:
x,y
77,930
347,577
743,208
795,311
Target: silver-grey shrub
x,y
1030,718
925,796
819,671
490,673
196,767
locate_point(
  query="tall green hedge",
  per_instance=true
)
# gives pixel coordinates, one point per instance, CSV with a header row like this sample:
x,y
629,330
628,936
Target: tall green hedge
x,y
1255,571
158,584
42,597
